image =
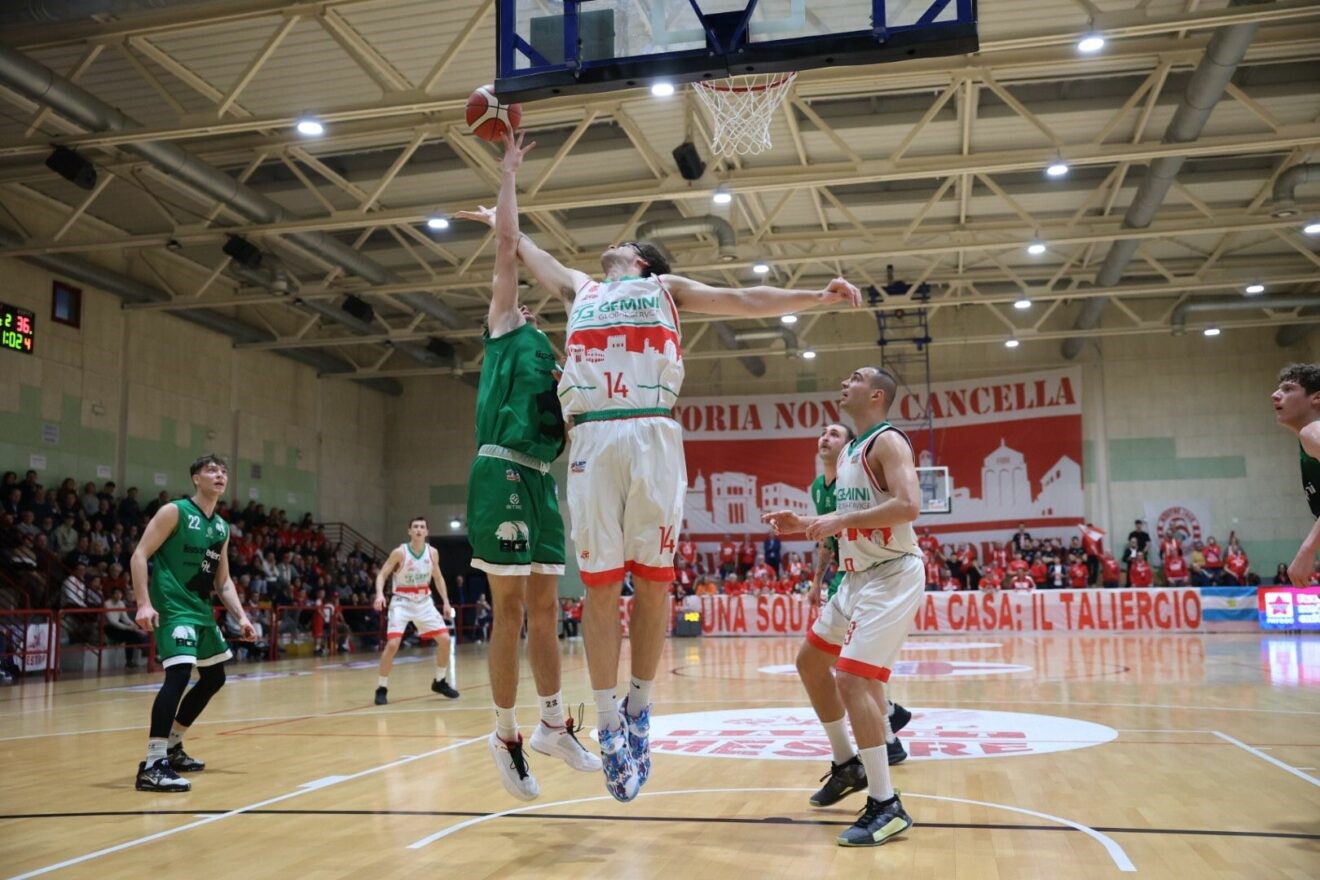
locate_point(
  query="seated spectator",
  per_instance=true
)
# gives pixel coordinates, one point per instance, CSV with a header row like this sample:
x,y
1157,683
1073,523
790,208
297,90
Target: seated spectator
x,y
130,512
24,556
949,583
1039,570
121,629
1022,581
1140,574
27,524
1214,560
12,503
784,586
707,586
734,587
65,537
161,499
1281,575
796,567
992,579
1176,573
74,591
1017,564
1079,575
90,500
1109,571
1056,577
1235,568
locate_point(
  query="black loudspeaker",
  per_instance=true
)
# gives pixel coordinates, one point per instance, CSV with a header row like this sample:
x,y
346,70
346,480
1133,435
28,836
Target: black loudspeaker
x,y
358,308
242,251
687,624
72,167
689,161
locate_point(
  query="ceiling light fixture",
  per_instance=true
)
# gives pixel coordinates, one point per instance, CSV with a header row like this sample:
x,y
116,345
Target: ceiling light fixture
x,y
721,196
1011,343
761,268
437,222
662,89
1022,304
1036,248
1091,43
1211,331
309,126
1057,168
1254,288
788,319
808,355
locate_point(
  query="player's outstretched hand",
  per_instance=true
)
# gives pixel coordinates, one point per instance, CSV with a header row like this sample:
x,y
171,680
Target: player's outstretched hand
x,y
481,215
842,290
784,522
146,617
514,150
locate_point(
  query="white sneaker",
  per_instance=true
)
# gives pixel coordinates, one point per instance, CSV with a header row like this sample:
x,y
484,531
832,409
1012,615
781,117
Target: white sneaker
x,y
562,742
515,772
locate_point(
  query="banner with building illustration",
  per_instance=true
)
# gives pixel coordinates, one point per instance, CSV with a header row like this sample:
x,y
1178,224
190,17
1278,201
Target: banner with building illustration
x,y
1013,446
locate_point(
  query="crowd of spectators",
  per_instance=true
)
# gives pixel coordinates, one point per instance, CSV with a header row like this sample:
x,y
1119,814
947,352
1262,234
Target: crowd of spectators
x,y
739,568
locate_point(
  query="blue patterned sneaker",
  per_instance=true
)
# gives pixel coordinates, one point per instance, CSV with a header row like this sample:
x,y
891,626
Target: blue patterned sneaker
x,y
617,762
639,740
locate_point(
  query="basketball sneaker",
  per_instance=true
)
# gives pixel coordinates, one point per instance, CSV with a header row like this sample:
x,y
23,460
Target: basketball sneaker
x,y
381,699
639,740
878,823
898,719
562,742
842,780
442,688
617,762
897,754
160,777
182,761
515,772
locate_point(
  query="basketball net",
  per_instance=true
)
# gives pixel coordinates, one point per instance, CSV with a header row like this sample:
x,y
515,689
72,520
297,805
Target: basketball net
x,y
742,108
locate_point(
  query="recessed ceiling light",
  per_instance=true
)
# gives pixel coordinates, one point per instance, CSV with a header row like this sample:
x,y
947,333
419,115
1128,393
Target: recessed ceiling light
x,y
1036,248
1254,289
662,89
1011,343
1022,304
809,355
788,319
1211,331
309,126
1057,169
456,523
436,221
1090,43
760,268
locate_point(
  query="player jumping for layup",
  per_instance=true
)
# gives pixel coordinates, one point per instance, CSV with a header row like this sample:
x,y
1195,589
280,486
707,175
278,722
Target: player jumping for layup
x,y
627,479
414,565
1297,407
865,623
188,545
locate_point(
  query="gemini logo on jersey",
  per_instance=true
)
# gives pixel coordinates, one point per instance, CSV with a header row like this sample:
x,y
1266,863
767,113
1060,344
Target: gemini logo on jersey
x,y
512,537
184,636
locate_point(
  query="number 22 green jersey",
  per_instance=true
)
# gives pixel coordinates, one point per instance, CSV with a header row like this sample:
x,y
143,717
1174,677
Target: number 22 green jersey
x,y
184,569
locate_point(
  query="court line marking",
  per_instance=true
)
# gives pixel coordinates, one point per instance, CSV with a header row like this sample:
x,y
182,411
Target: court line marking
x,y
302,790
1270,758
1111,846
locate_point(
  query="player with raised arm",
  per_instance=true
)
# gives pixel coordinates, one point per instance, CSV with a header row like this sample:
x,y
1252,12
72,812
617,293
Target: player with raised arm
x,y
865,623
514,524
187,544
622,376
1297,408
414,565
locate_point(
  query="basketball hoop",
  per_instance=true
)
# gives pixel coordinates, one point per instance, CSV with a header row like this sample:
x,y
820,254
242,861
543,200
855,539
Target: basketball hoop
x,y
742,108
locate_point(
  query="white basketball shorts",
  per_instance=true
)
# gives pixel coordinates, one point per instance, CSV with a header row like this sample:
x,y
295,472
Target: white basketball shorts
x,y
869,618
420,611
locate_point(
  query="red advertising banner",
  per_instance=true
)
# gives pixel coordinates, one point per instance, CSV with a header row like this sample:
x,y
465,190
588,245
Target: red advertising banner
x,y
1013,446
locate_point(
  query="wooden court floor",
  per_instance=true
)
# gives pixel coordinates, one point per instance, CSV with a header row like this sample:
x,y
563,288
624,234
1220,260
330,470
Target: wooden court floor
x,y
1178,756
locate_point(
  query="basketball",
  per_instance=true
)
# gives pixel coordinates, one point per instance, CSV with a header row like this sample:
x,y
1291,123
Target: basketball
x,y
488,118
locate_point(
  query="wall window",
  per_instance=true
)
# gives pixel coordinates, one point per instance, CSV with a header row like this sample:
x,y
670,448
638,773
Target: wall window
x,y
66,304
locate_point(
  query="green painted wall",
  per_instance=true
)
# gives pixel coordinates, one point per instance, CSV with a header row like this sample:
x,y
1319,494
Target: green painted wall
x,y
78,451
1139,459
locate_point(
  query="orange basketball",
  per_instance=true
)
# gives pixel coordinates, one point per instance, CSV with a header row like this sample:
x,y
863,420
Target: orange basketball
x,y
488,118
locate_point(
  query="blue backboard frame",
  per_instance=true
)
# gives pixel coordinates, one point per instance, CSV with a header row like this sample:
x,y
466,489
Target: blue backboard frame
x,y
523,74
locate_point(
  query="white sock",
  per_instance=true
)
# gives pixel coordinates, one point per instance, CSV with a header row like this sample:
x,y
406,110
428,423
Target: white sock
x,y
383,681
889,706
639,694
876,762
506,725
440,672
552,711
889,733
156,749
176,734
607,709
841,748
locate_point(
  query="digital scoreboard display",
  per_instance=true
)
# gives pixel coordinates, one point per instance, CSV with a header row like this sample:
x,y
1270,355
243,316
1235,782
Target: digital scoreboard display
x,y
17,329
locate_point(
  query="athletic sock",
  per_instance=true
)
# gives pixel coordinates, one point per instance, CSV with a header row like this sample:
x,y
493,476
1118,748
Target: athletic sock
x,y
506,725
841,748
383,681
639,694
889,733
552,710
876,762
607,710
176,734
156,750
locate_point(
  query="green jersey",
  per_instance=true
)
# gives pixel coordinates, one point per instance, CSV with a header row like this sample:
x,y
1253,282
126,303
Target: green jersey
x,y
517,403
185,567
822,493
1310,480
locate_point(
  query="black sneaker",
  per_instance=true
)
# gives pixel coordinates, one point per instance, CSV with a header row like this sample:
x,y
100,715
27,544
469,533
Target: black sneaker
x,y
897,754
877,824
898,719
160,777
842,780
442,687
380,696
182,761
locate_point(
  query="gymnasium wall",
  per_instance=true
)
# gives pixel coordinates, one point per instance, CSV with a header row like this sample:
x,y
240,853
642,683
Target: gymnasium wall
x,y
136,396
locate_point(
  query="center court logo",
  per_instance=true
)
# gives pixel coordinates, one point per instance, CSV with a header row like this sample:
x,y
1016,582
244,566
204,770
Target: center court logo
x,y
789,734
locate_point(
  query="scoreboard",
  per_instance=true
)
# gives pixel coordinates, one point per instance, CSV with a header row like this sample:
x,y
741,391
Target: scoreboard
x,y
17,329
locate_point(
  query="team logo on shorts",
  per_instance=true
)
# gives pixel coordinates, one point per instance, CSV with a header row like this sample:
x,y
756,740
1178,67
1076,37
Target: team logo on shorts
x,y
585,554
578,467
512,537
184,636
511,475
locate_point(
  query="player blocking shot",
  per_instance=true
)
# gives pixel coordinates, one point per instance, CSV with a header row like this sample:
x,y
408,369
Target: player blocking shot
x,y
866,622
413,566
180,561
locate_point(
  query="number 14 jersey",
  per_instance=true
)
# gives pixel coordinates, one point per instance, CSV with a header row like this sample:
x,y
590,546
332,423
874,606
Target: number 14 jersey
x,y
624,348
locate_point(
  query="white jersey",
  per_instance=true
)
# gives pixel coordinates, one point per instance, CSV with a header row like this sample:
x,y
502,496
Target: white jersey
x,y
856,488
413,576
623,348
